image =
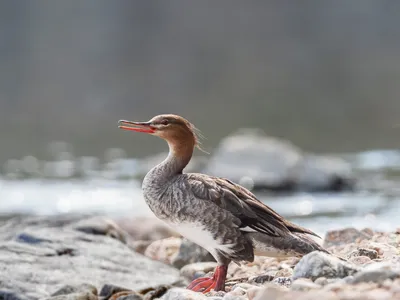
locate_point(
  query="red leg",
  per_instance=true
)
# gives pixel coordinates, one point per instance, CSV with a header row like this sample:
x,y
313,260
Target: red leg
x,y
206,284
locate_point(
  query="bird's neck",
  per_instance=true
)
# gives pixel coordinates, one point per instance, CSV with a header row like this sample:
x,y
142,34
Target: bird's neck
x,y
180,153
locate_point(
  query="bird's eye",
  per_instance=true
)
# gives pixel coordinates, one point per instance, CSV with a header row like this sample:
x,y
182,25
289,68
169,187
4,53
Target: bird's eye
x,y
164,122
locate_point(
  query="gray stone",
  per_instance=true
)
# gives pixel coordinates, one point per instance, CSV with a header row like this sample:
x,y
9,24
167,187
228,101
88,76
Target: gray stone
x,y
69,289
303,284
108,290
202,268
344,236
255,160
282,281
183,294
101,226
371,253
189,253
319,264
131,296
261,278
74,296
324,173
63,256
229,296
377,273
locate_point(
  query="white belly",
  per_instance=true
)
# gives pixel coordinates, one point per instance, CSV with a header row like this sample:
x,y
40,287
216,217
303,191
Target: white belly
x,y
199,235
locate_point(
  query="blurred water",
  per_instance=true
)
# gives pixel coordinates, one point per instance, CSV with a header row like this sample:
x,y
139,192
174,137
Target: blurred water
x,y
319,212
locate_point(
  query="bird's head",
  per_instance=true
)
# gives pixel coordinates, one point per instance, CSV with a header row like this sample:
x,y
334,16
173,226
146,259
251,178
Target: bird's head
x,y
172,128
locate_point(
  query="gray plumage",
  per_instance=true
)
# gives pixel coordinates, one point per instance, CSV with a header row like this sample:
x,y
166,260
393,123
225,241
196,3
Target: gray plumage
x,y
219,215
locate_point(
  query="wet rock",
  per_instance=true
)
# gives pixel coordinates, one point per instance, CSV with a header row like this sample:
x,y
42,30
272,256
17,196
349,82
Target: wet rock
x,y
183,294
303,284
63,256
319,264
377,273
81,288
202,268
324,173
370,253
189,253
101,226
145,228
255,160
344,236
164,250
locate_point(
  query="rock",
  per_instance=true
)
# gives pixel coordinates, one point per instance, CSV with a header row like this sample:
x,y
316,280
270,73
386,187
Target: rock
x,y
63,256
323,173
284,272
145,228
268,292
128,295
82,288
101,226
108,290
377,272
164,250
255,160
261,278
201,268
238,291
230,296
360,260
74,296
140,246
372,254
183,294
344,236
303,284
321,281
384,250
189,253
282,281
319,264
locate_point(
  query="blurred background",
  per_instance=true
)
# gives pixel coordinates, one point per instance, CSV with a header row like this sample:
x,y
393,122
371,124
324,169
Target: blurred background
x,y
321,75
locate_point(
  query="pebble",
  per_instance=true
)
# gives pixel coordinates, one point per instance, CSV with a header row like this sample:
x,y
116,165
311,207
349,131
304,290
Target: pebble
x,y
377,272
360,260
183,294
319,264
200,268
81,288
370,253
303,284
190,252
163,250
344,236
269,291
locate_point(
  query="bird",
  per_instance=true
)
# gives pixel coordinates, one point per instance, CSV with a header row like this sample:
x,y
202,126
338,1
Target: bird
x,y
215,213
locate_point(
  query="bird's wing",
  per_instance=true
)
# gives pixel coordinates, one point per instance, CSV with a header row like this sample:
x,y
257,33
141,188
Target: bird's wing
x,y
242,204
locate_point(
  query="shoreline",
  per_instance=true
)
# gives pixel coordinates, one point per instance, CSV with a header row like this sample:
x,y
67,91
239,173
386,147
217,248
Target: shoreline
x,y
144,257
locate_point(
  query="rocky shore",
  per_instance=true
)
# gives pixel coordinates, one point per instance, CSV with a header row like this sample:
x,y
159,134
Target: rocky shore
x,y
93,257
